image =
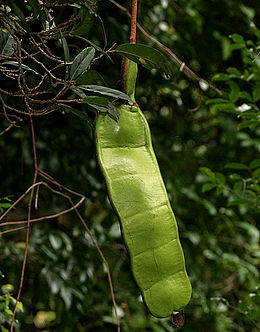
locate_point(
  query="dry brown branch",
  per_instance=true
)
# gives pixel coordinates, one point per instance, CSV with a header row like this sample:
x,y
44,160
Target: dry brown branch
x,y
28,225
25,57
51,179
19,199
32,101
12,230
48,217
6,129
106,264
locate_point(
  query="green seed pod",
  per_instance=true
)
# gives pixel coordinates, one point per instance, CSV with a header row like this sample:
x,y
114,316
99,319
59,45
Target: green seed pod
x,y
138,194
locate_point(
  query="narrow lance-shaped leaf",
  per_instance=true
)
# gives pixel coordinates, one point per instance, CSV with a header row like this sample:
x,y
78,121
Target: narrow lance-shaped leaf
x,y
106,91
78,92
234,91
96,100
101,104
25,67
65,50
81,62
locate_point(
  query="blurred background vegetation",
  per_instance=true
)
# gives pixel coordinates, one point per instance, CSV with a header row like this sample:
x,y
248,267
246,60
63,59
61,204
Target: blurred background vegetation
x,y
207,145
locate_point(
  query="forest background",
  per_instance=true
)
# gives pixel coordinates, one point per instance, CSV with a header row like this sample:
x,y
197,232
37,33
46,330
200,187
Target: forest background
x,y
204,121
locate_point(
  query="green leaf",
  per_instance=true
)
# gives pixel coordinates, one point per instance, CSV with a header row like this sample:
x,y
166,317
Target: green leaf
x,y
96,100
256,173
90,77
234,47
256,94
55,241
251,192
3,329
101,104
8,49
239,202
145,55
238,186
248,123
234,93
245,95
216,101
100,108
78,91
257,32
229,108
255,164
20,306
25,67
5,205
238,39
209,174
237,166
234,71
207,187
81,62
252,231
209,206
65,50
113,112
235,176
220,178
219,190
106,91
221,77
8,311
7,288
86,20
110,109
66,296
3,40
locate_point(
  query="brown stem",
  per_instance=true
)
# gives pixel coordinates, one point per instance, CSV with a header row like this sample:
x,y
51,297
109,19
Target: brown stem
x,y
132,39
27,226
133,22
178,319
106,264
48,217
